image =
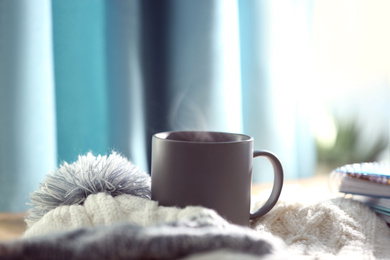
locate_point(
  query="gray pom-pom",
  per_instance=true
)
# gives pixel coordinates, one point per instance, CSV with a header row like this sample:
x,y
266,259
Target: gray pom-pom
x,y
73,183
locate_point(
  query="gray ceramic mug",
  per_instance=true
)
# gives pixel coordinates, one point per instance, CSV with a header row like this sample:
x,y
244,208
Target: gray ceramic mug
x,y
209,169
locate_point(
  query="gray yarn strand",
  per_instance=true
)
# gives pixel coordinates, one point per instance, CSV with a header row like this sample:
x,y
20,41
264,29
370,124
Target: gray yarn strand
x,y
72,183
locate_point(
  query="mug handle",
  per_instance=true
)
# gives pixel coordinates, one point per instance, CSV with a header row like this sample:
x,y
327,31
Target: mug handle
x,y
278,183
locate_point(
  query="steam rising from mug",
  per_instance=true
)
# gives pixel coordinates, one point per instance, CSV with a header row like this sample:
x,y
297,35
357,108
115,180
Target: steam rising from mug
x,y
201,136
186,114
198,108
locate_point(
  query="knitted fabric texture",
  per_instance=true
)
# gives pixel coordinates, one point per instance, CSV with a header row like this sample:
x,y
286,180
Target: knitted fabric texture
x,y
103,209
88,211
336,228
200,233
332,229
72,183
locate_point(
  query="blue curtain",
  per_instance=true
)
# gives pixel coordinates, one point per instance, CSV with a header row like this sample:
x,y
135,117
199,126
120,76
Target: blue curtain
x,y
95,75
78,29
28,145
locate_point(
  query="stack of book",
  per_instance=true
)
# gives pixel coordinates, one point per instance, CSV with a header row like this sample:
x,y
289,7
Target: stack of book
x,y
368,183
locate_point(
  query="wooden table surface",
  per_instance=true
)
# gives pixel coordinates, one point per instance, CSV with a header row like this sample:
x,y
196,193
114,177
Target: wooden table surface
x,y
12,225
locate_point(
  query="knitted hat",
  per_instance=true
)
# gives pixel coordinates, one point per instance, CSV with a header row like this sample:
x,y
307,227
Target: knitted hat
x,y
98,190
104,209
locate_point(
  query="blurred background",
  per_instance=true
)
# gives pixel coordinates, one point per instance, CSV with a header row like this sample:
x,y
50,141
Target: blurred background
x,y
309,80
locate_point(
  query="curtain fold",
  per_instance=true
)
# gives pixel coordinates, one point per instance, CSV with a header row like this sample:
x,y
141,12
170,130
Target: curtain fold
x,y
275,65
80,77
96,75
191,66
28,147
125,80
204,74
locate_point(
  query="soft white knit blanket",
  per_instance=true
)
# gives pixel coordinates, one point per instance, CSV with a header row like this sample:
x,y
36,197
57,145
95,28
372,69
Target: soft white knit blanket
x,y
331,229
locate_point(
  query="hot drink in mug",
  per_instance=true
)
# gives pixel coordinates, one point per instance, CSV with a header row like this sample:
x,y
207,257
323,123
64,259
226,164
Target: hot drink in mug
x,y
209,169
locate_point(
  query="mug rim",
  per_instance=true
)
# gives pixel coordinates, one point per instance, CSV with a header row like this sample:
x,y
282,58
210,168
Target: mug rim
x,y
164,136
